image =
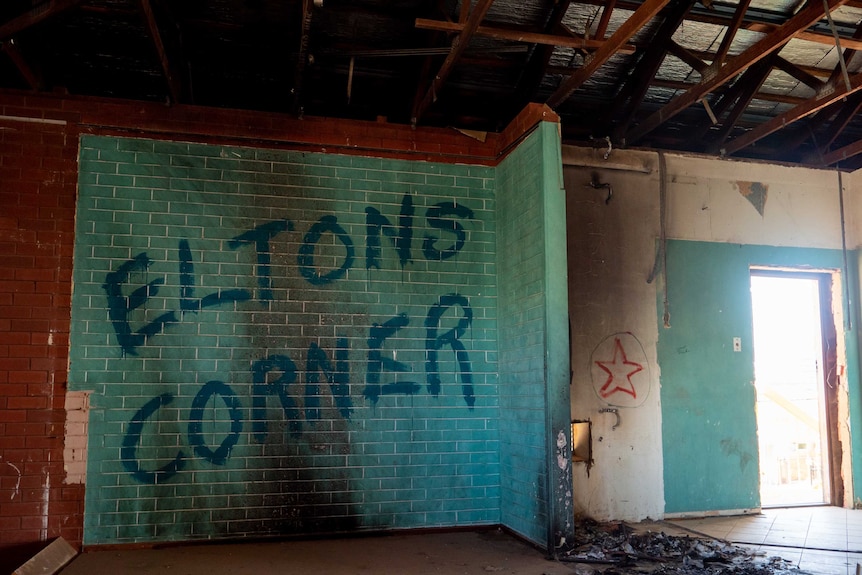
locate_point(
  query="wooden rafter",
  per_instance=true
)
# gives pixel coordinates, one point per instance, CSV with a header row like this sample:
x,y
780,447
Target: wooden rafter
x,y
604,20
618,39
749,23
841,154
688,57
833,93
568,41
705,57
302,58
678,85
459,44
172,77
34,16
537,64
795,71
773,41
848,110
465,11
740,93
835,117
730,33
815,37
848,53
30,75
765,96
634,90
750,82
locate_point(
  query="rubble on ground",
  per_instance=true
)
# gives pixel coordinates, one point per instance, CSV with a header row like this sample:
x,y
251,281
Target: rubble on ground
x,y
617,549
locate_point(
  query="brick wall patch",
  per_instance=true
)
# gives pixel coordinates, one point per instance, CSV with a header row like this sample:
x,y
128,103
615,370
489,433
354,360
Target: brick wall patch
x,y
75,447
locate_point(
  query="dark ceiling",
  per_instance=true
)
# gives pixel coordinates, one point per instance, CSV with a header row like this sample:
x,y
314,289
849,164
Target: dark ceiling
x,y
768,79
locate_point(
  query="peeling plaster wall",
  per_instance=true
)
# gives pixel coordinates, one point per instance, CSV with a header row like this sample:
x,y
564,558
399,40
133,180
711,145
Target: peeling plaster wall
x,y
612,249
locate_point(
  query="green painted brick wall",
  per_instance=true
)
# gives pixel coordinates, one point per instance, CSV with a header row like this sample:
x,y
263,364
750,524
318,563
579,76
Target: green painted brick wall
x,y
708,418
283,342
535,458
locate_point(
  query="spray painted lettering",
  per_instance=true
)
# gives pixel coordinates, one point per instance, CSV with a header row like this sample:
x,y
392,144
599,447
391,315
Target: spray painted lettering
x,y
276,375
120,306
284,372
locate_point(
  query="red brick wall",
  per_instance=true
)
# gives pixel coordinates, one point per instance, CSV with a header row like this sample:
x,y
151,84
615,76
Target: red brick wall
x,y
38,175
37,209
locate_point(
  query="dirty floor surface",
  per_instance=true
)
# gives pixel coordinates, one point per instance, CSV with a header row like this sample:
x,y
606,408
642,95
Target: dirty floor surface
x,y
453,553
815,540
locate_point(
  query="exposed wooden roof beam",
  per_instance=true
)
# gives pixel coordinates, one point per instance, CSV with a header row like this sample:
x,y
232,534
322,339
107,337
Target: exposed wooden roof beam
x,y
31,76
688,57
730,33
34,16
750,22
605,19
618,39
750,84
795,71
815,37
773,41
459,44
844,153
849,109
510,35
633,92
534,70
682,86
302,58
765,96
835,116
172,78
847,54
465,11
705,57
744,89
833,93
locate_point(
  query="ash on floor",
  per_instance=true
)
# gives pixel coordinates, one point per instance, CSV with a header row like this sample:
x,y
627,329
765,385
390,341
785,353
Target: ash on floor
x,y
616,548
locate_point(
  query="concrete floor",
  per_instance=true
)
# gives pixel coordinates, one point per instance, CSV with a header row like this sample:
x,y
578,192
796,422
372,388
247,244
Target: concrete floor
x,y
452,553
818,540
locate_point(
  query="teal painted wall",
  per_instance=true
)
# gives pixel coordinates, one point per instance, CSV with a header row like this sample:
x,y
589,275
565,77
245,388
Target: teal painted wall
x,y
282,342
533,330
709,431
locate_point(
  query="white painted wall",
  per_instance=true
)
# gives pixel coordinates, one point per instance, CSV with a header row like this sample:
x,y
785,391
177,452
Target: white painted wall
x,y
611,253
705,203
612,249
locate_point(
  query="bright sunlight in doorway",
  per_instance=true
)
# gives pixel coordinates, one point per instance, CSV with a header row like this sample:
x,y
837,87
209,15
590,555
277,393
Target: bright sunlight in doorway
x,y
789,377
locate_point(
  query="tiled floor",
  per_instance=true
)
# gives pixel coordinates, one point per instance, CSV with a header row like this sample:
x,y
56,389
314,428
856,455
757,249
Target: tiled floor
x,y
821,540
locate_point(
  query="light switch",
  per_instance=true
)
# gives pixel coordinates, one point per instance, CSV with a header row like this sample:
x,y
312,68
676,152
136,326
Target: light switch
x,y
737,344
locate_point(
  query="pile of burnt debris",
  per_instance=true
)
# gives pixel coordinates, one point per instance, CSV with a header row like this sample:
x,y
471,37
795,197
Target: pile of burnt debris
x,y
617,549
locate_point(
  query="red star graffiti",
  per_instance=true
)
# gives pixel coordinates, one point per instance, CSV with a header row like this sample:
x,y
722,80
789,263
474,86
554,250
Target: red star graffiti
x,y
620,372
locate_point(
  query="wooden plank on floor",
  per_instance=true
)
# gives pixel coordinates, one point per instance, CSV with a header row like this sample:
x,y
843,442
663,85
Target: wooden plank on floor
x,y
49,560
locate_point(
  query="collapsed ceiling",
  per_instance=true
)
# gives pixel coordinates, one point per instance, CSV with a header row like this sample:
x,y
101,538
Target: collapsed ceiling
x,y
767,79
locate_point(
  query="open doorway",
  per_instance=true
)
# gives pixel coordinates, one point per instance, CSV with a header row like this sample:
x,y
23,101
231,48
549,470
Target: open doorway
x,y
793,352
